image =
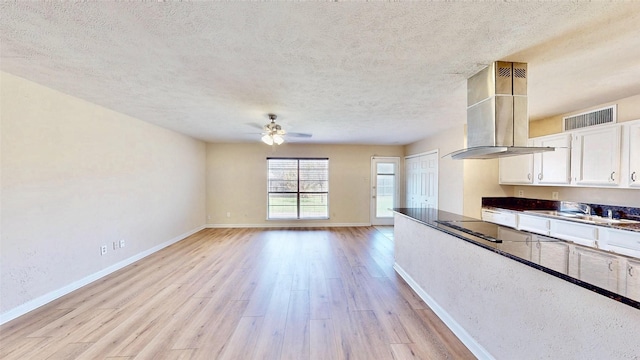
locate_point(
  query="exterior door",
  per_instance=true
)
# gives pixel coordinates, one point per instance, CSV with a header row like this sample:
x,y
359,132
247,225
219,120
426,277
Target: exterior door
x,y
422,180
384,189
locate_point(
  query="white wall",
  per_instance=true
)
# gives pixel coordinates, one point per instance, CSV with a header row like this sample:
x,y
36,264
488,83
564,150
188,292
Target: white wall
x,y
237,182
76,176
450,172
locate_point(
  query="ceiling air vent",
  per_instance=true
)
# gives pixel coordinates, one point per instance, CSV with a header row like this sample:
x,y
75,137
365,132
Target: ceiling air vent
x,y
595,117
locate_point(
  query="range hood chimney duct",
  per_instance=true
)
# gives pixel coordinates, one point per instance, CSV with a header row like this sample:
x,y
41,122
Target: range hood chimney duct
x,y
497,113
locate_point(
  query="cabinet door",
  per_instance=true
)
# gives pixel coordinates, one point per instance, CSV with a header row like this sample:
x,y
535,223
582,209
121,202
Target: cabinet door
x,y
515,243
598,269
633,279
553,255
553,167
633,151
595,157
516,169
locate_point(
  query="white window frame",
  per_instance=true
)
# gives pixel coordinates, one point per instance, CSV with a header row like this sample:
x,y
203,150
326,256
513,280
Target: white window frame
x,y
299,195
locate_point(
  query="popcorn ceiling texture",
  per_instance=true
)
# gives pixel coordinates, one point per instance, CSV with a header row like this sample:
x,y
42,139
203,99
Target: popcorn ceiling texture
x,y
376,73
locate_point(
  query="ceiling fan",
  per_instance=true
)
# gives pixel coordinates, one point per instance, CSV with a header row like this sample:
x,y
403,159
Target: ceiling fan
x,y
274,134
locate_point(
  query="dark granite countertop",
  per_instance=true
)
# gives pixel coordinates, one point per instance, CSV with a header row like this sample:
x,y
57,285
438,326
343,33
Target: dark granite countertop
x,y
524,204
507,242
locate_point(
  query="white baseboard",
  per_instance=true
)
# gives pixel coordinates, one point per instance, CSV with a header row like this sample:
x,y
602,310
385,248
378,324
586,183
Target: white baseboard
x,y
473,346
284,225
53,295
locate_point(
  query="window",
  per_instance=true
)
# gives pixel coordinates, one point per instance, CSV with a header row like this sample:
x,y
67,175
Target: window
x,y
298,188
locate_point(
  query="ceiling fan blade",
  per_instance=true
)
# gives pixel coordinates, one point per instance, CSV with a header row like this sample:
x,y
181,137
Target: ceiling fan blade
x,y
256,126
300,135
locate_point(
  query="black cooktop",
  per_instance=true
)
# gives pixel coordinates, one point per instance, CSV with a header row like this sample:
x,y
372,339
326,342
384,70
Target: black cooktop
x,y
489,231
481,229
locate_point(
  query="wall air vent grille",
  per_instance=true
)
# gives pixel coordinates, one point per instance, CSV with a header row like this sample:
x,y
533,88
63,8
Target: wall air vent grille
x,y
592,118
504,72
520,73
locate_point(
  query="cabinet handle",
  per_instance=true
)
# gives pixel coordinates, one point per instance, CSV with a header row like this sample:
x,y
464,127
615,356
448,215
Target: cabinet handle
x,y
630,270
529,176
540,176
611,177
610,263
633,176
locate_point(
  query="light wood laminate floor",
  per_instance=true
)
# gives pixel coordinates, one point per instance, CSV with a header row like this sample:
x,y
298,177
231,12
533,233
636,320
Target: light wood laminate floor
x,y
326,293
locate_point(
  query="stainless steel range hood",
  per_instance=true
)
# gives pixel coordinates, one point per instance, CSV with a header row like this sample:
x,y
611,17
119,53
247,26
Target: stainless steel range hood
x,y
497,113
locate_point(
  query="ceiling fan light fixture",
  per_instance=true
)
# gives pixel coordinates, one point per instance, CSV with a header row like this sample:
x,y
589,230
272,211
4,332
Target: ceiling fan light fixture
x,y
278,139
267,139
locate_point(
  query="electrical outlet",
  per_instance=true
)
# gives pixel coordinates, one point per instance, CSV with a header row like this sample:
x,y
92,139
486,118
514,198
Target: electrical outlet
x,y
208,217
103,249
520,193
228,214
115,245
554,195
122,243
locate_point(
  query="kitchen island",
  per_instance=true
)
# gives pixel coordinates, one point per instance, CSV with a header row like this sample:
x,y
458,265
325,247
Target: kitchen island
x,y
503,306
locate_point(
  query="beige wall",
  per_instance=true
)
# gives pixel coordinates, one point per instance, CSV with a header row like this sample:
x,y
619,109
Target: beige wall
x,y
461,183
628,109
237,182
76,176
621,197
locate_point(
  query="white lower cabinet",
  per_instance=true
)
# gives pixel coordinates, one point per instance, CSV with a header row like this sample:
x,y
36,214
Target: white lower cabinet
x,y
596,268
553,255
619,241
633,279
515,242
534,224
583,234
505,218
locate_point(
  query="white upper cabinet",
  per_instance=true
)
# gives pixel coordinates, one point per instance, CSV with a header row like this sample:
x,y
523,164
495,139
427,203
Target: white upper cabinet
x,y
546,168
516,169
553,167
595,157
601,156
631,153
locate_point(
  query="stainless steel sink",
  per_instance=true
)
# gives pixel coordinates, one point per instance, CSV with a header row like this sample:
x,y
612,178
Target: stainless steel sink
x,y
591,219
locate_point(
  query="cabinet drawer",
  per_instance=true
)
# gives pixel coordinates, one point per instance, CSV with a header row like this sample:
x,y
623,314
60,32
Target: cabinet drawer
x,y
583,234
499,217
534,224
620,241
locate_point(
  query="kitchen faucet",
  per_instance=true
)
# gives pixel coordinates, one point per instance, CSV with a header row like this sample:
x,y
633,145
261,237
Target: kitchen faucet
x,y
586,209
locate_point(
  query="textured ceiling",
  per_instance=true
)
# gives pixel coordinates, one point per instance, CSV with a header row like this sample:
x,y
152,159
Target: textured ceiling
x,y
361,73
